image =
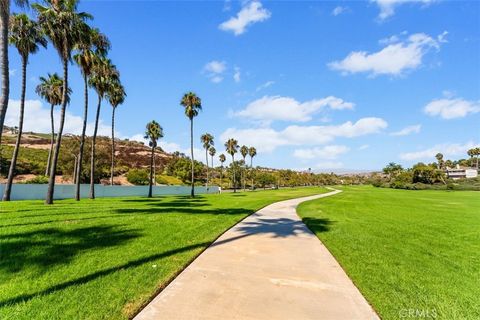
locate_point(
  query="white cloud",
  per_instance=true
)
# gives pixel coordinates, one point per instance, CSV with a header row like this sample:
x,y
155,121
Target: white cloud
x,y
268,139
270,108
328,152
237,75
449,108
363,147
37,119
265,85
339,10
214,70
251,12
387,7
407,130
448,150
394,59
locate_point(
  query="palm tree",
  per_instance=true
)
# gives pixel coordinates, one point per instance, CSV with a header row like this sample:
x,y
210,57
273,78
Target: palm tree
x,y
252,152
439,158
116,96
207,140
192,104
153,133
104,75
244,153
26,36
64,26
222,159
50,89
91,45
212,151
5,85
231,147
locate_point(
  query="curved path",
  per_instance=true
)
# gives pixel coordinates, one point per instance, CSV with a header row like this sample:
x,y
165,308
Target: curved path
x,y
268,266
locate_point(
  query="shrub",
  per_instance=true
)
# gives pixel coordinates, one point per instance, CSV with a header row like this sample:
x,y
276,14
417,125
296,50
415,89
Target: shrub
x,y
139,177
168,180
38,180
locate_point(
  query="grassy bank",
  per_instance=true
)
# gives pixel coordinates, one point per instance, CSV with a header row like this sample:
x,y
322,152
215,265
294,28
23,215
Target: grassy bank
x,y
405,250
105,259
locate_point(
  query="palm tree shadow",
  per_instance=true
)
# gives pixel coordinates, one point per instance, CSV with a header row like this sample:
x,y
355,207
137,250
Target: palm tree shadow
x,y
277,228
45,248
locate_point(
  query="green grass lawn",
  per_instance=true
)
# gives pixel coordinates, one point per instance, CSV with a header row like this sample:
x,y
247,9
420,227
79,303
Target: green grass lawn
x,y
105,259
405,250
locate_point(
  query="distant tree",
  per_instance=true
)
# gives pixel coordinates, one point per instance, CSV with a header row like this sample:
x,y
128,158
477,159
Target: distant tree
x,y
440,162
222,159
244,153
26,36
231,147
116,96
192,104
252,152
91,45
212,151
104,76
392,169
153,132
51,89
207,142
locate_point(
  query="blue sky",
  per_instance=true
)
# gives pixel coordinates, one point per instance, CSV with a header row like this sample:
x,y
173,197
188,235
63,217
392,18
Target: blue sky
x,y
330,85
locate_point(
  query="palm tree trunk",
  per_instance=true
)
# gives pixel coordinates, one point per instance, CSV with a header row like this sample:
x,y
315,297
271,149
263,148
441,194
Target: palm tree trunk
x,y
221,175
150,183
52,140
192,193
82,139
251,168
112,167
5,86
233,168
13,163
92,155
56,151
244,173
206,159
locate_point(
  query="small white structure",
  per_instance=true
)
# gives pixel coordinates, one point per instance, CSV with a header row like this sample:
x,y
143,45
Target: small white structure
x,y
461,173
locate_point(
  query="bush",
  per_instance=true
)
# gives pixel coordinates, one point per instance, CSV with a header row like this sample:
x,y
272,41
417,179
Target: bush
x,y
38,180
168,180
139,177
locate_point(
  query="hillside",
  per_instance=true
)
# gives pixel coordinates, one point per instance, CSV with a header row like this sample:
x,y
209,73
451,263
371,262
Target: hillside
x,y
34,153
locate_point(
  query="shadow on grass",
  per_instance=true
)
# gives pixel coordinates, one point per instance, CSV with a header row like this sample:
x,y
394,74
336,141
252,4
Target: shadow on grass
x,y
93,276
318,224
47,247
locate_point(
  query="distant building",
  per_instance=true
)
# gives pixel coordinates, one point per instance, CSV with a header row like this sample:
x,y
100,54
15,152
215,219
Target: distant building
x,y
461,173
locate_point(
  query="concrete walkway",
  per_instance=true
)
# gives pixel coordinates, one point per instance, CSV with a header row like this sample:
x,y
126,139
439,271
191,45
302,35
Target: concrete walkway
x,y
269,266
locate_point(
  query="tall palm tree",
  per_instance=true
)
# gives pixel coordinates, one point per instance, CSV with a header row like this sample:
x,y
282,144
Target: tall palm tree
x,y
26,36
104,75
92,44
5,85
153,133
244,153
116,96
192,104
51,89
252,152
207,140
63,25
439,158
231,147
212,151
222,159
